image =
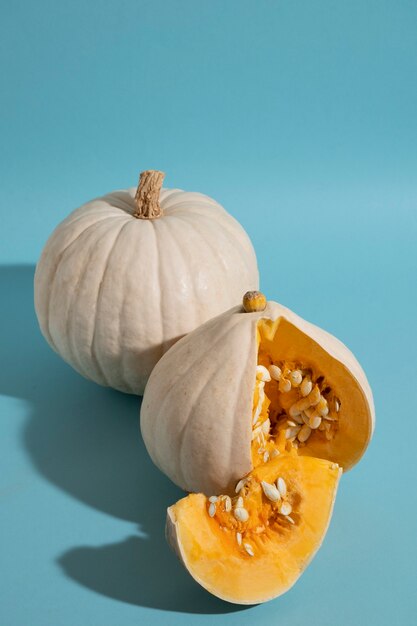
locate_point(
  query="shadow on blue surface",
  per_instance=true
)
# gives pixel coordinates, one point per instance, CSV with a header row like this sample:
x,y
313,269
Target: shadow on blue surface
x,y
85,439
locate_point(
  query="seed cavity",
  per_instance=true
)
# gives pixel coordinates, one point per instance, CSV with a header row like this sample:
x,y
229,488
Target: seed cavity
x,y
302,404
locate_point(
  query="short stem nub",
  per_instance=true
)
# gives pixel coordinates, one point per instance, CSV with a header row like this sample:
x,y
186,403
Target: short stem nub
x,y
254,301
147,195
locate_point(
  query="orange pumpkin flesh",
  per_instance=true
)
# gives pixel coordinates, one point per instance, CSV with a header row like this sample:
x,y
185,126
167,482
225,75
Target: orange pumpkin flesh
x,y
345,430
281,547
252,560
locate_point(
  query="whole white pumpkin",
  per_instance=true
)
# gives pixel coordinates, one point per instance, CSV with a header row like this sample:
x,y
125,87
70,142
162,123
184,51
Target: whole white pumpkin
x,y
126,275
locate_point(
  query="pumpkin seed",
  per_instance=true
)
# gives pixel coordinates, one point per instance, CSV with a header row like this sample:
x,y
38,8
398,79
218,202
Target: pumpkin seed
x,y
282,486
266,425
285,508
275,372
241,514
227,504
296,377
306,386
292,432
271,492
212,509
262,373
240,484
314,421
304,433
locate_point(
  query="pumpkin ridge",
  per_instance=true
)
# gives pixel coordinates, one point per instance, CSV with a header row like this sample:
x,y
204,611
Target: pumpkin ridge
x,y
233,242
204,203
117,202
168,230
58,262
160,282
70,334
128,380
241,246
170,196
99,292
191,415
84,212
227,220
239,392
208,244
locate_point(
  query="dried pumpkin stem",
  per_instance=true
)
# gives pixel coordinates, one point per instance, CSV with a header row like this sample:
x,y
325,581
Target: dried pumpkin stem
x,y
254,301
147,195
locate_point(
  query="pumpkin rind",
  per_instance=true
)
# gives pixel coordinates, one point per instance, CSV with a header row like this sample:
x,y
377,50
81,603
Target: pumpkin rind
x,y
113,293
197,408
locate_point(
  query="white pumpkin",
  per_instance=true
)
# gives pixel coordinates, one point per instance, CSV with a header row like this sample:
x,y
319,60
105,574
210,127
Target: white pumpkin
x,y
126,275
197,410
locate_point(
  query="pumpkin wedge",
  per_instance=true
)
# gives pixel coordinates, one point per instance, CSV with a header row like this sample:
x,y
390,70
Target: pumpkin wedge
x,y
254,557
252,383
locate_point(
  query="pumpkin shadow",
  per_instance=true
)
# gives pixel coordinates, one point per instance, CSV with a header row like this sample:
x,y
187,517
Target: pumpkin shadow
x,y
85,440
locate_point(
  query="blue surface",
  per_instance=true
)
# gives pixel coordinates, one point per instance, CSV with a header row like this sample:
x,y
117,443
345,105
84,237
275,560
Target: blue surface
x,y
300,117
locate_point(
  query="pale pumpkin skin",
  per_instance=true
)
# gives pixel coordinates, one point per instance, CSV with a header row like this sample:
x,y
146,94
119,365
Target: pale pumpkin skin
x,y
113,292
196,415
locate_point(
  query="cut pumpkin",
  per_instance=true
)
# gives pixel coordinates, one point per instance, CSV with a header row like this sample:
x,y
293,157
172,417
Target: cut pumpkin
x,y
252,561
264,411
201,419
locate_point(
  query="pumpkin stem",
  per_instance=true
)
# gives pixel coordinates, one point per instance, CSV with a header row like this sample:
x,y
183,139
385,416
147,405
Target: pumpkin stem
x,y
147,195
254,301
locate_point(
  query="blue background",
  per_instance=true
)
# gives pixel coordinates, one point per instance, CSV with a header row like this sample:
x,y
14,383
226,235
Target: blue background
x,y
300,117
